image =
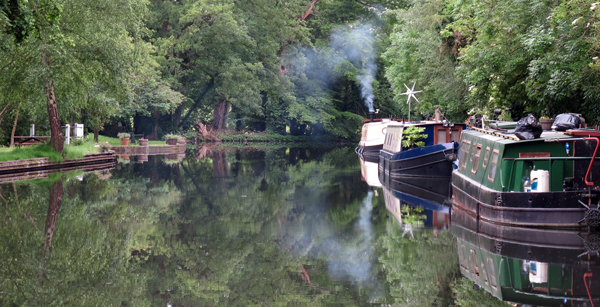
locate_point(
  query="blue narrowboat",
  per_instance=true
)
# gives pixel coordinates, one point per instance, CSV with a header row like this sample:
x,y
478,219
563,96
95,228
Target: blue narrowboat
x,y
434,160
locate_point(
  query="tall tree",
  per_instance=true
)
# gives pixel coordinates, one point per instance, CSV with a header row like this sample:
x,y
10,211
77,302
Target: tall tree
x,y
419,54
226,53
72,46
530,56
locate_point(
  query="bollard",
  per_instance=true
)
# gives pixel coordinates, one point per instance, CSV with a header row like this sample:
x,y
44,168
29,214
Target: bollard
x,y
67,134
32,130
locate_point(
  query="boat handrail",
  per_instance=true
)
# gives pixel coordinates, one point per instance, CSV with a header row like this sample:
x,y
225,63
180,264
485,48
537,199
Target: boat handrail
x,y
587,174
496,133
549,158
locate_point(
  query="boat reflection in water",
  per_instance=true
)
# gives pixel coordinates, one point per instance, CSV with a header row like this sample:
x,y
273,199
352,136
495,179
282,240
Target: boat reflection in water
x,y
369,172
528,265
418,202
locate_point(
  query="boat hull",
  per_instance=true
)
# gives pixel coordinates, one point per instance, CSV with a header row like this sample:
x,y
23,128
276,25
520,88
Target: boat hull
x,y
430,161
369,153
523,209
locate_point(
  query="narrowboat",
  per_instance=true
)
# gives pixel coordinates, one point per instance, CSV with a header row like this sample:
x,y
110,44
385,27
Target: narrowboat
x,y
432,160
550,181
372,137
529,266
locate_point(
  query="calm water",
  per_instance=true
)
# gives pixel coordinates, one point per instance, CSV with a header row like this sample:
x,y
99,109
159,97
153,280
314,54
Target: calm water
x,y
227,226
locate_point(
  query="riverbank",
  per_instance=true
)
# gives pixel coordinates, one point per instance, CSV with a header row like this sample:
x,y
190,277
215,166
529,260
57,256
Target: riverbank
x,y
34,167
71,152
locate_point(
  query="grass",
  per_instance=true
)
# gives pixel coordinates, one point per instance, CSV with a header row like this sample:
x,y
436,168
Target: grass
x,y
117,142
262,137
70,152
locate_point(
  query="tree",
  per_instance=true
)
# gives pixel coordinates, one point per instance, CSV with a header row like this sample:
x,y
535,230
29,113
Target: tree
x,y
225,53
418,53
528,56
70,47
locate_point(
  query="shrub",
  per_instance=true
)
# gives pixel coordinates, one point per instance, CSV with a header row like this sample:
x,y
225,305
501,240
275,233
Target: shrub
x,y
412,137
172,137
122,135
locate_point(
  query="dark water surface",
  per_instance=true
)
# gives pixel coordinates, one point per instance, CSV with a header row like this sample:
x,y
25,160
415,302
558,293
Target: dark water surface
x,y
226,226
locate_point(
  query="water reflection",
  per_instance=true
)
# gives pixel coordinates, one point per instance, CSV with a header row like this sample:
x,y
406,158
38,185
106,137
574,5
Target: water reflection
x,y
361,251
227,226
528,265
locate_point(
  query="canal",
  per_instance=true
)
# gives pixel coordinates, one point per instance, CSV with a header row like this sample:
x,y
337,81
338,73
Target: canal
x,y
227,226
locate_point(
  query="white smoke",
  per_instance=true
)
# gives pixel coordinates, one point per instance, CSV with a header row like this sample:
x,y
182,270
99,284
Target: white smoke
x,y
356,44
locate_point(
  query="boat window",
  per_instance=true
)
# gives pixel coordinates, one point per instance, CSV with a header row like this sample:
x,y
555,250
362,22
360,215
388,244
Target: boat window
x,y
486,157
474,264
476,158
473,151
455,137
465,151
462,259
494,165
492,271
441,136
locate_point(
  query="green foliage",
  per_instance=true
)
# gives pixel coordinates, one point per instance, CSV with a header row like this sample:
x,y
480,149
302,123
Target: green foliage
x,y
412,215
273,137
418,53
172,137
467,296
419,270
528,56
123,135
412,135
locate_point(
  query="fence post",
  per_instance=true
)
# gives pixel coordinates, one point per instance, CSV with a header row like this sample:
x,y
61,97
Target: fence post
x,y
32,130
67,134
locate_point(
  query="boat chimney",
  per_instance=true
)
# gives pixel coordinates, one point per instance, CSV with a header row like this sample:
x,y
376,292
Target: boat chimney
x,y
371,116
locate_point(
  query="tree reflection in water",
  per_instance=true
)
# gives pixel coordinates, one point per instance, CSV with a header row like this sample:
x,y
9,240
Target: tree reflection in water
x,y
240,227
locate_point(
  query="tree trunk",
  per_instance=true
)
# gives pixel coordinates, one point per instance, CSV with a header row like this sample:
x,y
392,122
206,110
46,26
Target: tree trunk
x,y
96,132
2,114
56,194
155,129
12,134
56,135
177,115
220,114
220,166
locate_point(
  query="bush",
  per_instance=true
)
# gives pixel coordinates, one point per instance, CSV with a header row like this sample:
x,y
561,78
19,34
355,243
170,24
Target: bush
x,y
172,137
77,142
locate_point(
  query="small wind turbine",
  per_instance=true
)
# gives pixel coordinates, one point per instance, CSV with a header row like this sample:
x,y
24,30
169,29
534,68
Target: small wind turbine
x,y
411,94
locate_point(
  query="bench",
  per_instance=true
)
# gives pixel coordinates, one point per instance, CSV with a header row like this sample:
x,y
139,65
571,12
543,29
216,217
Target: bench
x,y
29,140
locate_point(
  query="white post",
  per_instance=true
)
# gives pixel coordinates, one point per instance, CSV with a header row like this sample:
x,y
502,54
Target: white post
x,y
79,131
32,130
67,134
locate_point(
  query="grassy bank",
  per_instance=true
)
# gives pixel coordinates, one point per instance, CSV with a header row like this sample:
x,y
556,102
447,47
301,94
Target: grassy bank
x,y
277,138
117,142
70,152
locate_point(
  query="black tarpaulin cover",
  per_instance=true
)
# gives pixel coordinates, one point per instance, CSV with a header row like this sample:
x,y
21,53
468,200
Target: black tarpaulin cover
x,y
528,128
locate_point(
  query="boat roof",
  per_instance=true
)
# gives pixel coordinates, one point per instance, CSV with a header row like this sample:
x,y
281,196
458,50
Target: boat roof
x,y
419,123
508,137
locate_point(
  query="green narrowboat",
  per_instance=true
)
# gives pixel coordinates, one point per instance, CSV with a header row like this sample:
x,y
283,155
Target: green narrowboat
x,y
550,181
530,266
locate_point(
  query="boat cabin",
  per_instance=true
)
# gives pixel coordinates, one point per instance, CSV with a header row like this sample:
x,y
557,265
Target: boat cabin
x,y
437,133
500,162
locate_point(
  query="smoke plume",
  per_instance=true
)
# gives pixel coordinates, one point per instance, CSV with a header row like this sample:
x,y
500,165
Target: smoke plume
x,y
356,44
